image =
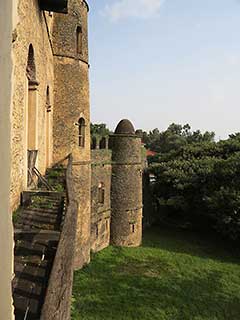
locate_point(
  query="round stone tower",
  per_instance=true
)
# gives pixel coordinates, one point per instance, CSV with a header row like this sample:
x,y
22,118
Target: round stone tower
x,y
126,193
71,116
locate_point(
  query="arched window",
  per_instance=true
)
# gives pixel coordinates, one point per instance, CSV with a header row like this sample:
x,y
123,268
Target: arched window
x,y
81,132
31,67
79,39
101,193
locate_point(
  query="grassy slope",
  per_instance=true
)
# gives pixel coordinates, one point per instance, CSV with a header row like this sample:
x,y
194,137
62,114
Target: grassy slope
x,y
174,275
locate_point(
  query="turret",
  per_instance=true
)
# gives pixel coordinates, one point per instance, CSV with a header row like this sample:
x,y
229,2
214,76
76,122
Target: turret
x,y
126,193
71,120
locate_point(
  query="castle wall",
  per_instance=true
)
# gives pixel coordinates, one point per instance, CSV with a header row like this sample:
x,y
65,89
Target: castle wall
x,y
33,28
71,98
8,19
100,210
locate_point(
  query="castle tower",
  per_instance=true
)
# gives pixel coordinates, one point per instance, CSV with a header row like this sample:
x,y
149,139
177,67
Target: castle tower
x,y
71,120
126,193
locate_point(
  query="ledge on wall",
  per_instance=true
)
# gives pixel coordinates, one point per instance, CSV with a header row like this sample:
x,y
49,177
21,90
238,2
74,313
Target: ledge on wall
x,y
59,6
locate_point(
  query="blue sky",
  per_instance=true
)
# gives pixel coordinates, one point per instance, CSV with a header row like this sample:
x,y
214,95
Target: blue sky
x,y
162,61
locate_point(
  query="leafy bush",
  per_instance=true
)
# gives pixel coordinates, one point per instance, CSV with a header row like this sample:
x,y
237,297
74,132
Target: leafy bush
x,y
200,183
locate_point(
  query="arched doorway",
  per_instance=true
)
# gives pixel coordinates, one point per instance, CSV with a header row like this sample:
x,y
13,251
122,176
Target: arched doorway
x,y
32,114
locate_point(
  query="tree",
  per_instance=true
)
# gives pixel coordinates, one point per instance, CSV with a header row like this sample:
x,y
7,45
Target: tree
x,y
200,181
99,129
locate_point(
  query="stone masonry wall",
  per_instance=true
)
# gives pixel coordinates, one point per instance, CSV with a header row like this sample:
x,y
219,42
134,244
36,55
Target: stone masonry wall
x,y
100,212
71,98
32,28
7,23
126,190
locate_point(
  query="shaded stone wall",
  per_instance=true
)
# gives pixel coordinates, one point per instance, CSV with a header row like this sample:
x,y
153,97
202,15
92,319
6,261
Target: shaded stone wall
x,y
33,28
126,190
7,22
71,98
100,212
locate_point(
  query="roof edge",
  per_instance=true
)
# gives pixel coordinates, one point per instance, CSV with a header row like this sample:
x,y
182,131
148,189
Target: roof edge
x,y
87,5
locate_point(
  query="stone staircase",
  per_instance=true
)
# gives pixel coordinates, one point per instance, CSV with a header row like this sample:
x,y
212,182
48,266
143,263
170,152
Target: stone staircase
x,y
37,230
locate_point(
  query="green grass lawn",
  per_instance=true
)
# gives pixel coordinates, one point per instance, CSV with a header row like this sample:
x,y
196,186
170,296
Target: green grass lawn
x,y
173,276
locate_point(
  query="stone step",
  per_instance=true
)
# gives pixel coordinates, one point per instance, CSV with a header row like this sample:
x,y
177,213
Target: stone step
x,y
30,295
51,200
28,289
37,233
38,218
35,260
30,268
40,210
34,275
39,221
33,214
25,248
26,307
37,226
43,206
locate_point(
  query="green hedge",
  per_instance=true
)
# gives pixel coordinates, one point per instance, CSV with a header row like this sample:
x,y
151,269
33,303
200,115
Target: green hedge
x,y
200,182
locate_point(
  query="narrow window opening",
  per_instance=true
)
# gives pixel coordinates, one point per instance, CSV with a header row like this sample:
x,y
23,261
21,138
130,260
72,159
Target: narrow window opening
x,y
81,132
97,231
101,193
133,228
31,67
79,40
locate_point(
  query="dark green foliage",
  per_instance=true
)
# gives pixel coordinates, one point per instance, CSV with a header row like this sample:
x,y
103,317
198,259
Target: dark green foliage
x,y
175,137
56,178
100,130
16,215
199,182
173,276
41,202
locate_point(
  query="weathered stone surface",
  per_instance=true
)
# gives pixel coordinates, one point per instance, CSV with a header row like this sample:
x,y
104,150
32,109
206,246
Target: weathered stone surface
x,y
32,28
71,103
51,103
126,190
100,212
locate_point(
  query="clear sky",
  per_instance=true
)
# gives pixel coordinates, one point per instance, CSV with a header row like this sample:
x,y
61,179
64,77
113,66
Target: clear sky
x,y
162,61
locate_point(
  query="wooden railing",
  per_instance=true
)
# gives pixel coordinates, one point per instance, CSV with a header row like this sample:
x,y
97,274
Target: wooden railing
x,y
57,305
33,172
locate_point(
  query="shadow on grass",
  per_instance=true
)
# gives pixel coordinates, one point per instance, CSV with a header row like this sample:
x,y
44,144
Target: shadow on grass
x,y
154,282
203,245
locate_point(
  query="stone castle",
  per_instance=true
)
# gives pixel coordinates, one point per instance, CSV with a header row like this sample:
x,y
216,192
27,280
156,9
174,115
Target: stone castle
x,y
50,120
